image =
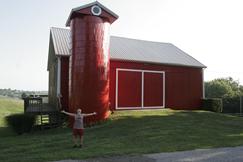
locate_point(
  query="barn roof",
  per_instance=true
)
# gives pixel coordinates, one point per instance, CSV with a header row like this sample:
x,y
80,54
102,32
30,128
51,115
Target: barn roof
x,y
61,40
127,49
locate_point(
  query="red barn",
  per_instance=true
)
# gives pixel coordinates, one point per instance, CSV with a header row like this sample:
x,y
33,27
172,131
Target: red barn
x,y
93,70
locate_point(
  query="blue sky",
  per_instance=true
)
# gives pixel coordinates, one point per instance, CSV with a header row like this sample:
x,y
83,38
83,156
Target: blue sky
x,y
210,31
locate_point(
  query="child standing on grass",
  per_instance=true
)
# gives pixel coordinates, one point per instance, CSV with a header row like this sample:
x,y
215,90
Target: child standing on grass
x,y
78,126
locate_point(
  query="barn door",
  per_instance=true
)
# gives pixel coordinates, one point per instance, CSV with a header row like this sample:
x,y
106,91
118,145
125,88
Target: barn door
x,y
128,89
153,91
137,89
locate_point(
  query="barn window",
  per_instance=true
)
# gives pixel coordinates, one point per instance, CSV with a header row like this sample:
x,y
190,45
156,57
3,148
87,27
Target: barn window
x,y
96,10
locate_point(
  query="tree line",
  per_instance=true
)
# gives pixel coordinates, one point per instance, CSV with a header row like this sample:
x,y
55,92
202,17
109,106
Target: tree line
x,y
223,88
14,93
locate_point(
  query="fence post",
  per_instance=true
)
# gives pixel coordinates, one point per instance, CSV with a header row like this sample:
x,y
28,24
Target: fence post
x,y
240,105
26,103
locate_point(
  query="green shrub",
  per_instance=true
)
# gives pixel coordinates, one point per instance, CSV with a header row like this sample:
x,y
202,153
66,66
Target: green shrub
x,y
212,104
21,123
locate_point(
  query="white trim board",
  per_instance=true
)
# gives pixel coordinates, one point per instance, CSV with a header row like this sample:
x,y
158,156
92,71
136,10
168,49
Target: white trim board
x,y
203,85
142,89
58,76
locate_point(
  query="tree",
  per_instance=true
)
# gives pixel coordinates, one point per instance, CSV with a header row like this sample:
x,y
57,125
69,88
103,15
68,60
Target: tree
x,y
23,95
222,88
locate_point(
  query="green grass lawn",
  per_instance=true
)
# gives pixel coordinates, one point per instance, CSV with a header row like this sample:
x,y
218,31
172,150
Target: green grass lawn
x,y
127,133
9,106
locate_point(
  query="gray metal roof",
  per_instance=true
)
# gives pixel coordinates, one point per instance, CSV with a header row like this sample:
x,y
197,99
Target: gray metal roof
x,y
132,50
61,40
147,51
88,5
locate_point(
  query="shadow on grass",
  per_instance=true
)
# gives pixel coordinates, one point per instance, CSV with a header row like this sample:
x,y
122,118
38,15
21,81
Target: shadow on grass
x,y
6,132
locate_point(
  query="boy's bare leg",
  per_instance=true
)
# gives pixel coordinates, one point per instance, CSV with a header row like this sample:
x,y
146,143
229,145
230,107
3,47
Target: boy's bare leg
x,y
75,141
81,141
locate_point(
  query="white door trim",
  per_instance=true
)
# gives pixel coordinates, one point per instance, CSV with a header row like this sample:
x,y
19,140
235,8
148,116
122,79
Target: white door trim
x,y
142,88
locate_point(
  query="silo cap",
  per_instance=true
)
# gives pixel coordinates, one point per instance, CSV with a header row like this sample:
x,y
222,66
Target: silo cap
x,y
94,11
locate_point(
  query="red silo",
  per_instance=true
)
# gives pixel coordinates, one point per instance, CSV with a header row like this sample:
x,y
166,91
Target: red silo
x,y
90,60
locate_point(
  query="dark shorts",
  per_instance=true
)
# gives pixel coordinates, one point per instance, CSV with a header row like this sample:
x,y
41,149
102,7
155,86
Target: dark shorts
x,y
78,132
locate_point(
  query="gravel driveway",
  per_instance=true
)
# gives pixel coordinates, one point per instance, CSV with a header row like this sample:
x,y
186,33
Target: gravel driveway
x,y
228,154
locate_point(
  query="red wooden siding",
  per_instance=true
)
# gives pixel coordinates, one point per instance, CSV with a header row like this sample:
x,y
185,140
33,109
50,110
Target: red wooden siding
x,y
153,89
177,92
183,85
64,81
129,89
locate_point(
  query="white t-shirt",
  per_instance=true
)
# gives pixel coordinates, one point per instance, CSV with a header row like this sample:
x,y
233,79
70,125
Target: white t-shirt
x,y
79,121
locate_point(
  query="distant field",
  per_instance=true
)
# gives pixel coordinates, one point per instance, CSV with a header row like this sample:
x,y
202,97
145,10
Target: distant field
x,y
9,106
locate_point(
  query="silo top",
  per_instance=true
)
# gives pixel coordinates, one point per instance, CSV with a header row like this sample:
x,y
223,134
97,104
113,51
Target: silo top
x,y
96,9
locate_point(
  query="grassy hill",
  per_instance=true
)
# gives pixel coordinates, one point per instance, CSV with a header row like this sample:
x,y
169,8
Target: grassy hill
x,y
128,133
9,106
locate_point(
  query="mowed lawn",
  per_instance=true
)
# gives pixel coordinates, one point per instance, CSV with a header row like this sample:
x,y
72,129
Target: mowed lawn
x,y
127,133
